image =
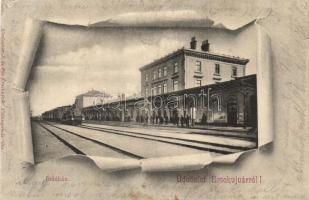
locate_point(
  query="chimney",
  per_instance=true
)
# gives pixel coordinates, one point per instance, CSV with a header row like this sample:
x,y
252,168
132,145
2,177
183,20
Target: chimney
x,y
193,43
205,45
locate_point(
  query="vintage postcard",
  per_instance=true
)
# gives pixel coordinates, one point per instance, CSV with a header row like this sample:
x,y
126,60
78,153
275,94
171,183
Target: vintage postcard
x,y
134,96
142,94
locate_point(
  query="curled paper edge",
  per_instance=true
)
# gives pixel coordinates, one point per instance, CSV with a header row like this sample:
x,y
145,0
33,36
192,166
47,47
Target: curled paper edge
x,y
107,164
173,18
174,163
177,163
159,164
188,162
228,22
23,125
307,85
110,164
230,158
31,39
264,88
177,18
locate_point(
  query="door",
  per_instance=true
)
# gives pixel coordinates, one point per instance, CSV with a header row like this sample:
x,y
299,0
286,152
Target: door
x,y
253,111
232,111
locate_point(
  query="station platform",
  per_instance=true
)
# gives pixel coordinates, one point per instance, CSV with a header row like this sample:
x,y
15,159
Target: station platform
x,y
239,132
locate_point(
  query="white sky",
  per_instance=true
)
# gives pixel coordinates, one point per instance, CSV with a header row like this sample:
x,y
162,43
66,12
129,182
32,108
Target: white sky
x,y
72,60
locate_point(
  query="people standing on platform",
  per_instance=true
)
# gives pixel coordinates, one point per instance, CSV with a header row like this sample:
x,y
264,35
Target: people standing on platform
x,y
178,117
146,119
166,119
204,118
161,120
182,120
187,120
192,121
173,118
152,118
177,120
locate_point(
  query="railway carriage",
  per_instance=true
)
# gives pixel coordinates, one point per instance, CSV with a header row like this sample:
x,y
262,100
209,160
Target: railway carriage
x,y
65,114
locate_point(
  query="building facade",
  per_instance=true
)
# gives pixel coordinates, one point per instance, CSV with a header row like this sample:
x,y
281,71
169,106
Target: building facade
x,y
188,68
229,103
187,86
90,98
56,113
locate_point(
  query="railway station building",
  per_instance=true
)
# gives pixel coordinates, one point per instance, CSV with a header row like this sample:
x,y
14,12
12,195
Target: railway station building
x,y
89,98
229,103
189,67
189,83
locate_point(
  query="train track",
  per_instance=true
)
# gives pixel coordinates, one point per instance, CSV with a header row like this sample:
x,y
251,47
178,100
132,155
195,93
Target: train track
x,y
226,135
72,147
138,134
199,145
246,137
78,151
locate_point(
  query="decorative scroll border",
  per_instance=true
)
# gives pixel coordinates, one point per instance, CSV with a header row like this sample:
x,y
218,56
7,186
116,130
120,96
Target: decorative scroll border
x,y
31,39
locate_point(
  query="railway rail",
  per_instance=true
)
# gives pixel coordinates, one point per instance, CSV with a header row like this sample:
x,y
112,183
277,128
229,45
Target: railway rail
x,y
77,150
193,144
218,148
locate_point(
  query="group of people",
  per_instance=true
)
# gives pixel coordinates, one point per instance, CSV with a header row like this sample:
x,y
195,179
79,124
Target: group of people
x,y
177,119
182,121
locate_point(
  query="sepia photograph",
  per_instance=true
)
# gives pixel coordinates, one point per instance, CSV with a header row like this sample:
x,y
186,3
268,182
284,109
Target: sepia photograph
x,y
154,100
143,92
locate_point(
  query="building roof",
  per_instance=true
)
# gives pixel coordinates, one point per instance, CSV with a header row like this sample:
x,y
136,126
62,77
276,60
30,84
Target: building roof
x,y
200,54
58,108
243,81
93,93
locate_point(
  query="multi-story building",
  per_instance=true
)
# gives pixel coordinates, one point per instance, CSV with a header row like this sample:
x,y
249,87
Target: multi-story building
x,y
228,103
189,67
90,98
206,87
199,85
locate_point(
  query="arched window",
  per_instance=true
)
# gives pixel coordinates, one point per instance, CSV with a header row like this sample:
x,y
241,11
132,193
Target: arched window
x,y
215,103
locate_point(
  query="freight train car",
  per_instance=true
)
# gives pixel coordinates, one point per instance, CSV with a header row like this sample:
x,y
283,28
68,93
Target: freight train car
x,y
65,114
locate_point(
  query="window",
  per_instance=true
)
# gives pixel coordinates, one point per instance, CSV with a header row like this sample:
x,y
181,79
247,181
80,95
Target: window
x,y
217,69
234,71
214,104
164,87
175,85
159,89
198,82
165,71
198,66
146,77
153,91
154,75
159,72
175,67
